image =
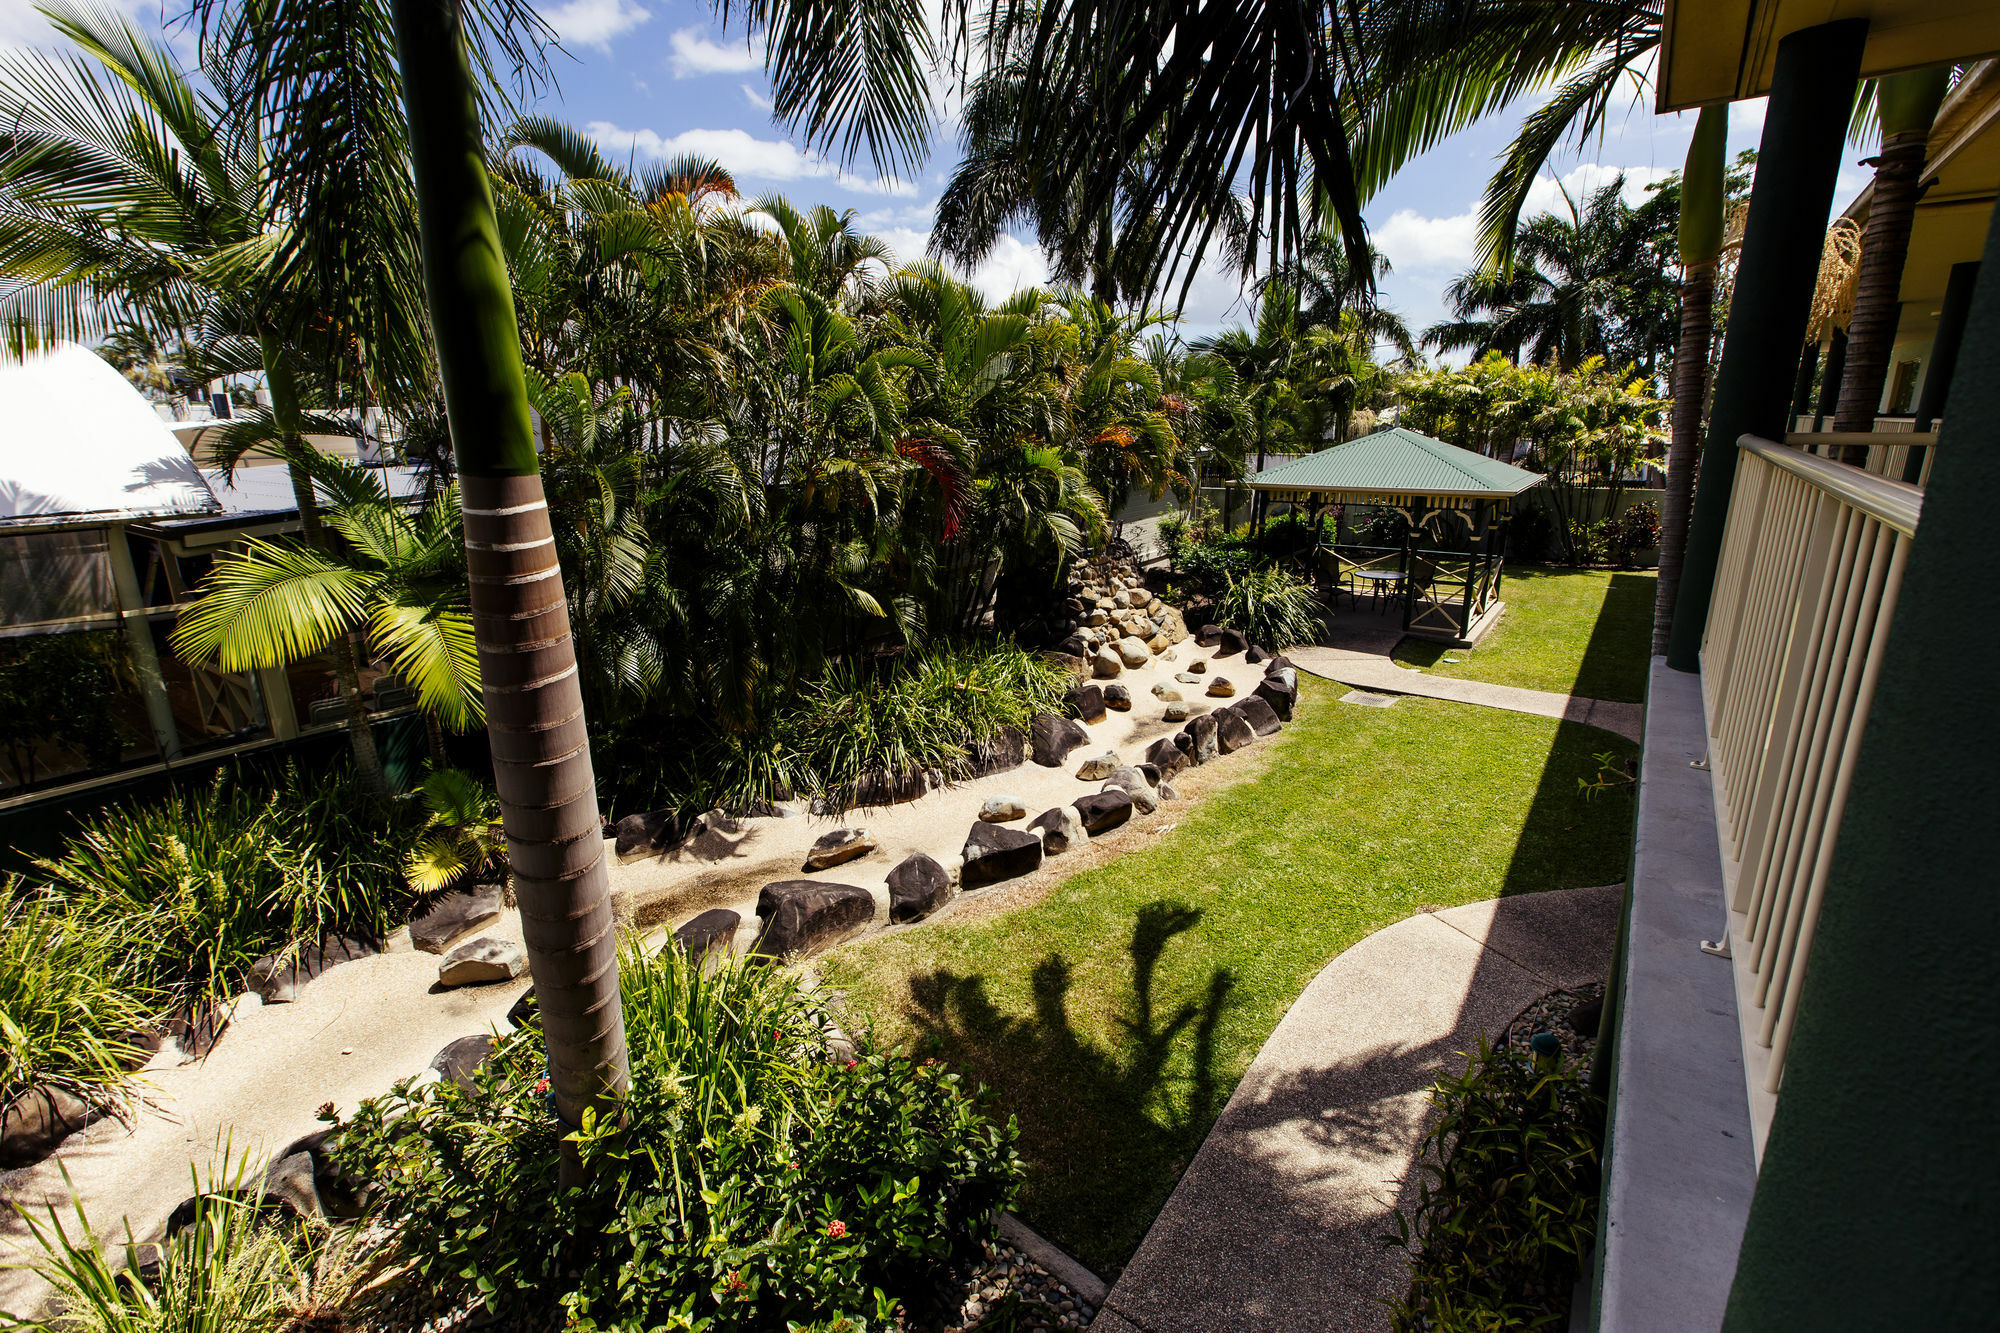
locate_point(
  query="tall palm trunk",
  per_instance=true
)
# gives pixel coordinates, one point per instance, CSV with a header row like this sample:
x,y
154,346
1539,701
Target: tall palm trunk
x,y
284,390
527,659
1906,105
1702,186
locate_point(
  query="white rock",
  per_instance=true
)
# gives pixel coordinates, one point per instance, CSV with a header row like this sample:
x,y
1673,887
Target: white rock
x,y
1003,809
1101,767
1134,651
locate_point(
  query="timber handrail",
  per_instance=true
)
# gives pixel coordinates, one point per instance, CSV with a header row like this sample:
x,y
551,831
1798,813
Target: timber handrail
x,y
1895,503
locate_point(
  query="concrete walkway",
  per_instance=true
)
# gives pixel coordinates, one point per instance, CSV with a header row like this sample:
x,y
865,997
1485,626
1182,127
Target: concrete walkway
x,y
1276,1226
1358,654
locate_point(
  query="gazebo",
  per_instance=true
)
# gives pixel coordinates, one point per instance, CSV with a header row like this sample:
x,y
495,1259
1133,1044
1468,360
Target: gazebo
x,y
1453,595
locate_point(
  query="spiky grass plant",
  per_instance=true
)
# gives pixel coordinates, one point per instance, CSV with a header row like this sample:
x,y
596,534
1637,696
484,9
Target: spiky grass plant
x,y
66,1000
1272,606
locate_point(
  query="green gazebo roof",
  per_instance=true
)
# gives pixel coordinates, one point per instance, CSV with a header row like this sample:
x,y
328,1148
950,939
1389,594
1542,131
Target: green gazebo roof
x,y
1397,467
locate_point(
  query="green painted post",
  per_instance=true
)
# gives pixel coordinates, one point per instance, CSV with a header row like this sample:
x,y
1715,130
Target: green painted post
x,y
1805,126
1875,1206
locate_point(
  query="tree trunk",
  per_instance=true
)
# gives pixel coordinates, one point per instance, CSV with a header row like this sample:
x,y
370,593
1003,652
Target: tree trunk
x,y
527,660
278,379
1878,308
1690,391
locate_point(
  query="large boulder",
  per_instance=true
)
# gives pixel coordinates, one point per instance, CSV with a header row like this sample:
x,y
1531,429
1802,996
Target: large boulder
x,y
714,931
1198,738
1167,756
457,1061
1104,664
1286,675
994,852
482,961
1003,809
1133,785
1134,652
1061,828
277,977
1051,738
1098,768
456,913
803,916
1280,696
1278,663
1231,642
1085,703
1208,636
1263,719
1117,698
1005,749
34,1121
1255,655
1232,733
1105,810
290,1187
838,848
918,886
648,834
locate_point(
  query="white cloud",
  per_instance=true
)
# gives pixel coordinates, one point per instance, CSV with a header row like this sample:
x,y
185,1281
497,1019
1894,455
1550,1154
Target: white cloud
x,y
1747,119
1415,243
744,155
757,99
592,22
694,54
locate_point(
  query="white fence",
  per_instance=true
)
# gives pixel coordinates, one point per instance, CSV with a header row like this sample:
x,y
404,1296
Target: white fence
x,y
1812,560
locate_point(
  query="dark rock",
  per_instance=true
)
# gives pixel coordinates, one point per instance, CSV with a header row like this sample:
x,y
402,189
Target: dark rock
x,y
277,977
1255,654
1277,663
1005,749
644,835
1105,810
1195,668
837,848
36,1120
1166,756
1232,732
918,886
1061,829
758,809
1285,675
523,1012
714,931
341,1195
1117,698
1085,703
482,961
197,1028
1198,738
1079,667
1208,635
1231,643
994,852
1074,646
1584,1019
1279,696
882,787
1052,738
1151,772
457,1061
452,915
290,1188
803,916
1259,714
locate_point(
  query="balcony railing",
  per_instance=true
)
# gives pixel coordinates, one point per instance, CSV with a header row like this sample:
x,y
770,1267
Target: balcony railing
x,y
1812,561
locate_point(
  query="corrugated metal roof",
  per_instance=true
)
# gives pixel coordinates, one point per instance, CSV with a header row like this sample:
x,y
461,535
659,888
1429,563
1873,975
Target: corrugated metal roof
x,y
1396,465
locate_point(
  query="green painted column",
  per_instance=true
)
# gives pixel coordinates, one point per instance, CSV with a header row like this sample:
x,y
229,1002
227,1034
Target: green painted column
x,y
1805,127
1878,1205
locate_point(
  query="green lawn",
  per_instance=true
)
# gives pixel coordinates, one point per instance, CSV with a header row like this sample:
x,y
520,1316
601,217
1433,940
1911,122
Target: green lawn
x,y
1573,631
1115,1017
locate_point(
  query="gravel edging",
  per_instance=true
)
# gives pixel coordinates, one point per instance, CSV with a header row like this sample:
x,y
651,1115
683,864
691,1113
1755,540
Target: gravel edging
x,y
1053,1261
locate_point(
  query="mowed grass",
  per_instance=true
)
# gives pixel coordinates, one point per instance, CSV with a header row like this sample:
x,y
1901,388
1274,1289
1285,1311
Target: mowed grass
x,y
1115,1017
1572,631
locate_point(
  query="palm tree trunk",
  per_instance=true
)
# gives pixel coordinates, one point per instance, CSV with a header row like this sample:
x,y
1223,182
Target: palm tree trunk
x,y
1907,103
527,660
1690,392
284,390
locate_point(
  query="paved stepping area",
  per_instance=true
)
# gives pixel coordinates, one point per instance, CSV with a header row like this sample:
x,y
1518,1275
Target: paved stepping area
x,y
1366,665
1276,1225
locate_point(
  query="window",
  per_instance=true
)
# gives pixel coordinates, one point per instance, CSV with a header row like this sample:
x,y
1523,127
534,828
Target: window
x,y
1902,389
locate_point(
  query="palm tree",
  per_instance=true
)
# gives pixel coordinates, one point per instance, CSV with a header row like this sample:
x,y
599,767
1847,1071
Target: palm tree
x,y
1701,222
534,698
125,187
1905,105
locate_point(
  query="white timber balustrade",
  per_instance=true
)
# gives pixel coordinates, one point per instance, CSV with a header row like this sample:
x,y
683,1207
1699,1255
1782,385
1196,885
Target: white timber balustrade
x,y
1812,559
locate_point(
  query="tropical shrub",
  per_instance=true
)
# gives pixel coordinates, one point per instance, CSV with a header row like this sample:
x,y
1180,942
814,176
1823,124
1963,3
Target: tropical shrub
x,y
66,999
1272,606
1627,533
757,1179
459,837
1507,1206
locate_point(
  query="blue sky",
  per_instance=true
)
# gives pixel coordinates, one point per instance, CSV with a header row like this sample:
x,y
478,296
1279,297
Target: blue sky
x,y
656,77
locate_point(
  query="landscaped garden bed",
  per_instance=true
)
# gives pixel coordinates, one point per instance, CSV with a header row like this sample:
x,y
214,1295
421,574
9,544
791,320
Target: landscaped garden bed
x,y
1567,631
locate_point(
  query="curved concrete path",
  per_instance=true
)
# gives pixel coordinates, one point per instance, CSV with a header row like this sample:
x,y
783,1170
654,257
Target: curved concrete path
x,y
1276,1225
1375,670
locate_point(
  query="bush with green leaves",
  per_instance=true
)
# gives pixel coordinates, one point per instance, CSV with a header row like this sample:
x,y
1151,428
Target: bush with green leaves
x,y
67,1001
461,836
757,1180
1272,606
1507,1207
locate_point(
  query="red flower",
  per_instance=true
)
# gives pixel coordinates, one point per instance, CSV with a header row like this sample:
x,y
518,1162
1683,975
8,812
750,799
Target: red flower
x,y
850,1064
735,1281
541,1085
836,1229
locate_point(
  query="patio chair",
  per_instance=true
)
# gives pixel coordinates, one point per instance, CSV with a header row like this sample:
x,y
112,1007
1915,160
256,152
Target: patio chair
x,y
1336,576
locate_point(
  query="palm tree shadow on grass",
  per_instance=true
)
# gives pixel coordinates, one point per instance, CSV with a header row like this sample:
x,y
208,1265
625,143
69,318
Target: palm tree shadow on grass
x,y
1105,1130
